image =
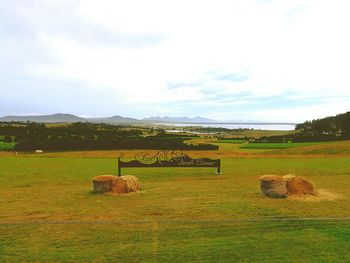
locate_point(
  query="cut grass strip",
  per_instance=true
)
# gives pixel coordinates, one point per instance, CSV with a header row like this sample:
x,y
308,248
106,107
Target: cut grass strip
x,y
230,141
278,145
6,146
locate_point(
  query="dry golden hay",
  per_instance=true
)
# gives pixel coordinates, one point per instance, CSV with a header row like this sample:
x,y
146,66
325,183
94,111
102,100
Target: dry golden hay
x,y
273,186
102,183
299,185
125,184
321,195
135,180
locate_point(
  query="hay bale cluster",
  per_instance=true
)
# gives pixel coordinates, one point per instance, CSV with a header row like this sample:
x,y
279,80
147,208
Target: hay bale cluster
x,y
281,186
110,183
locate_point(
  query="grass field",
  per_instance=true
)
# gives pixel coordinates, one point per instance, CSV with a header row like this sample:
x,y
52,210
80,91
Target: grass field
x,y
5,146
49,214
278,145
230,141
256,133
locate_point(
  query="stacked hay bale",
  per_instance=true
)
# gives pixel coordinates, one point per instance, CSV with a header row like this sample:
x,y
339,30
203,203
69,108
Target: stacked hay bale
x,y
111,183
298,185
102,183
125,184
280,186
273,186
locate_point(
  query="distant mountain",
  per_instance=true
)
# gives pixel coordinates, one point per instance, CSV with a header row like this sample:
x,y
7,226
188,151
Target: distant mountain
x,y
178,120
59,117
113,120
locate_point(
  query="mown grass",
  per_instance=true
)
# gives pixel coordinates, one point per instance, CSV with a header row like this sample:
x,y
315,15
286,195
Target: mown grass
x,y
49,214
330,148
302,241
231,141
6,146
257,133
278,145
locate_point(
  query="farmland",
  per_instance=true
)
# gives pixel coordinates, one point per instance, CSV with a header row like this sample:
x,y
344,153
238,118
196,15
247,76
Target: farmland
x,y
48,212
5,146
277,145
236,141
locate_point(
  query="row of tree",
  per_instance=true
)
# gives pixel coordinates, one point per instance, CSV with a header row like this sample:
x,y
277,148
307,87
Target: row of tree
x,y
88,136
338,125
327,129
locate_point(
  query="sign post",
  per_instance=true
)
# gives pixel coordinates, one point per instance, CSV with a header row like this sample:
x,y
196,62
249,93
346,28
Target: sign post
x,y
168,159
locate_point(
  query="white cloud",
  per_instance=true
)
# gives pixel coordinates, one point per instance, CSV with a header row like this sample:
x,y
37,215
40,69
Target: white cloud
x,y
283,48
288,114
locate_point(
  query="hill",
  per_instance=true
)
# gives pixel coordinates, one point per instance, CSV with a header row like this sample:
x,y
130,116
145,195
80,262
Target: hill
x,y
62,118
113,120
59,117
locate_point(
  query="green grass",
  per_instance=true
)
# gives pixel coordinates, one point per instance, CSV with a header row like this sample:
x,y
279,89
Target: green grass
x,y
278,145
6,146
49,214
231,141
183,242
258,133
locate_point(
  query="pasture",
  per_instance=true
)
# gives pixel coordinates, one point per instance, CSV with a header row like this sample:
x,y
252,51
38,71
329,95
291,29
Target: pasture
x,y
6,146
235,141
49,214
278,145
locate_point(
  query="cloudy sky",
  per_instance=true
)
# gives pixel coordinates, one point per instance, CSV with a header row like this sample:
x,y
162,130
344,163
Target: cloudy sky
x,y
266,60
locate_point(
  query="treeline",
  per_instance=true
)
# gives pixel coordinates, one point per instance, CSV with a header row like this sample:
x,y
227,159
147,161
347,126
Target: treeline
x,y
327,129
338,125
89,136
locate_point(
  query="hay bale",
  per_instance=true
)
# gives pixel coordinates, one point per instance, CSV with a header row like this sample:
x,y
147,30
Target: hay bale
x,y
299,185
135,181
102,183
273,186
125,184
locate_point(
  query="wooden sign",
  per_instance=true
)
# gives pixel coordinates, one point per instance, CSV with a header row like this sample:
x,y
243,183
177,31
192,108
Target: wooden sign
x,y
168,159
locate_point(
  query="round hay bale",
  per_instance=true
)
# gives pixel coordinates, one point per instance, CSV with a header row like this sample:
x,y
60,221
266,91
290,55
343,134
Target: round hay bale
x,y
125,184
299,185
135,181
273,186
120,186
102,183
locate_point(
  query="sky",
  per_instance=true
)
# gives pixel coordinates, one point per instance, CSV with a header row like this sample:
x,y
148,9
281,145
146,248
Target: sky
x,y
232,60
